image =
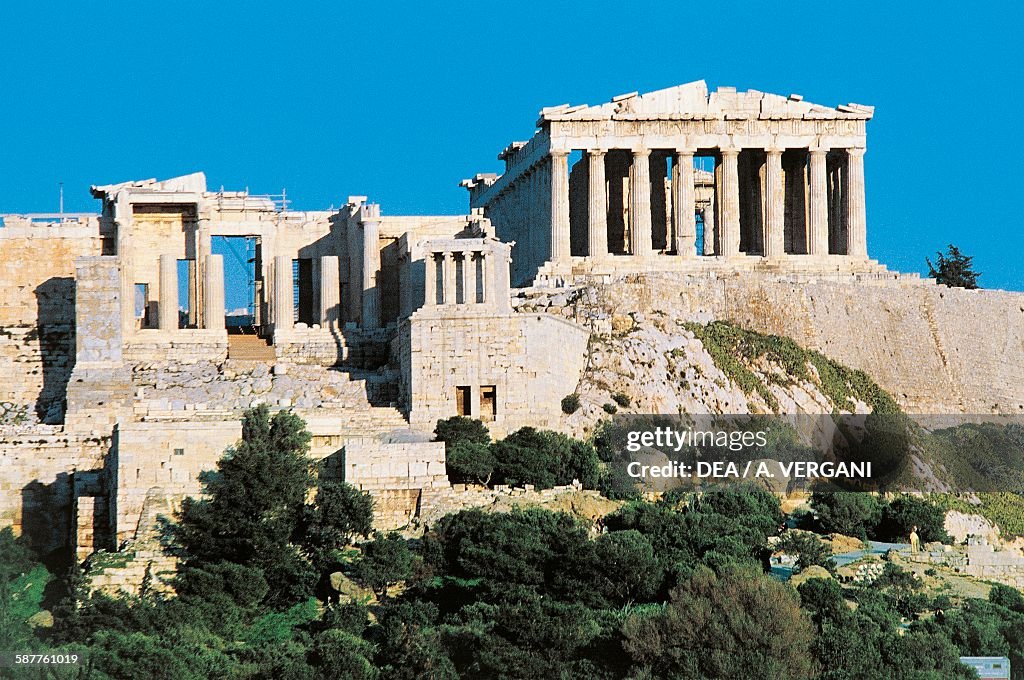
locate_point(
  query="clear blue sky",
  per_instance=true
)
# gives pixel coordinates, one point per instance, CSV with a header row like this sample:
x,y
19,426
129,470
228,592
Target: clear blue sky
x,y
401,101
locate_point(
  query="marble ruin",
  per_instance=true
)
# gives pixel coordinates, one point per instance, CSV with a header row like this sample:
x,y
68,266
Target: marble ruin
x,y
124,375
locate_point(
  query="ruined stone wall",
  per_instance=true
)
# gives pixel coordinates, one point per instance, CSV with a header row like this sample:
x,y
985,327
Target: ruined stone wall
x,y
402,478
37,315
152,463
531,360
39,471
936,349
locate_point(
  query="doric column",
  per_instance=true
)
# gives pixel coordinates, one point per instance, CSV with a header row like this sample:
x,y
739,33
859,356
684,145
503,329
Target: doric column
x,y
449,278
597,212
371,267
817,211
430,280
559,206
857,222
167,308
683,204
774,238
640,204
213,286
709,227
730,203
330,291
284,293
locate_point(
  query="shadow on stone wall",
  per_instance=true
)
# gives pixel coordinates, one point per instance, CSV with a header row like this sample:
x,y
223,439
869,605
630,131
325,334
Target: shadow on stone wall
x,y
46,520
55,325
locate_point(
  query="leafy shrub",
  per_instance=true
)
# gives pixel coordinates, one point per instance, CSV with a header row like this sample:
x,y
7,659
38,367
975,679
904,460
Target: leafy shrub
x,y
809,550
610,408
622,399
470,463
852,513
461,429
570,403
906,512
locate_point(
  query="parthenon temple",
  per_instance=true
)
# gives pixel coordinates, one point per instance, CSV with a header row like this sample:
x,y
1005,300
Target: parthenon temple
x,y
677,176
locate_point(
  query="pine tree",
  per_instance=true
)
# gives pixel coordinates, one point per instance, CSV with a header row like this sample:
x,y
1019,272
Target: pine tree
x,y
953,269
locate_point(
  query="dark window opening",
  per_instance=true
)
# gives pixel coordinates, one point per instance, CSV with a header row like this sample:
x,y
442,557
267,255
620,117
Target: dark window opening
x,y
462,400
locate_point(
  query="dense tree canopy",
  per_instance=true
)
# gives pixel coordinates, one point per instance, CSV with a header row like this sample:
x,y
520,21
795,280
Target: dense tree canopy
x,y
669,589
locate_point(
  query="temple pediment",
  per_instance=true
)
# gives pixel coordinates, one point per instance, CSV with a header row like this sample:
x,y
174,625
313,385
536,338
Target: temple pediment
x,y
693,101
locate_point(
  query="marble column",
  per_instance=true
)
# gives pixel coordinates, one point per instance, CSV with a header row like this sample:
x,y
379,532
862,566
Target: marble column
x,y
774,238
284,294
857,245
448,296
709,227
730,203
559,206
817,211
640,241
330,291
213,292
203,248
469,270
486,278
430,280
684,212
371,267
168,306
597,212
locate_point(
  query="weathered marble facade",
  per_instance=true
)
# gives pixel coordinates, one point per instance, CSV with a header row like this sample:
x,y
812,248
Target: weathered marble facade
x,y
788,180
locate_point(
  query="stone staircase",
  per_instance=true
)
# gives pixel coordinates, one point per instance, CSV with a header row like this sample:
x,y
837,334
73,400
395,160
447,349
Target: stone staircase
x,y
249,348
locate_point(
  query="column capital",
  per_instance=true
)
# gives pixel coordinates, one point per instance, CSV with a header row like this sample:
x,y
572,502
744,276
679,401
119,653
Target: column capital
x,y
774,150
856,151
558,153
684,151
641,151
729,150
819,150
596,152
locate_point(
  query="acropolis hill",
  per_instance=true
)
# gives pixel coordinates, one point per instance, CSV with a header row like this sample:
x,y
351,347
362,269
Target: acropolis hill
x,y
123,377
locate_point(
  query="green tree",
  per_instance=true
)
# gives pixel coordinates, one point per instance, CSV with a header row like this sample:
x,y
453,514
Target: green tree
x,y
742,624
22,579
340,513
810,550
953,268
459,429
853,513
906,512
253,506
470,463
386,561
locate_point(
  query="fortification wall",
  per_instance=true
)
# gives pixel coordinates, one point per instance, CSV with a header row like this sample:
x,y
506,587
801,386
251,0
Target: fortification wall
x,y
37,315
936,349
39,472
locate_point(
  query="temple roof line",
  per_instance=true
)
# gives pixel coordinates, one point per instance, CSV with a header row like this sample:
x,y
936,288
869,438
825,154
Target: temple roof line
x,y
691,101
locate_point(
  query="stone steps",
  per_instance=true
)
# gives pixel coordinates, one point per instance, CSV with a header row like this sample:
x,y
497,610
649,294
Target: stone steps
x,y
250,348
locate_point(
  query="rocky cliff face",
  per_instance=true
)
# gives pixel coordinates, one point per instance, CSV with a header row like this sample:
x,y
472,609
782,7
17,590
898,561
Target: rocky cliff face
x,y
936,350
